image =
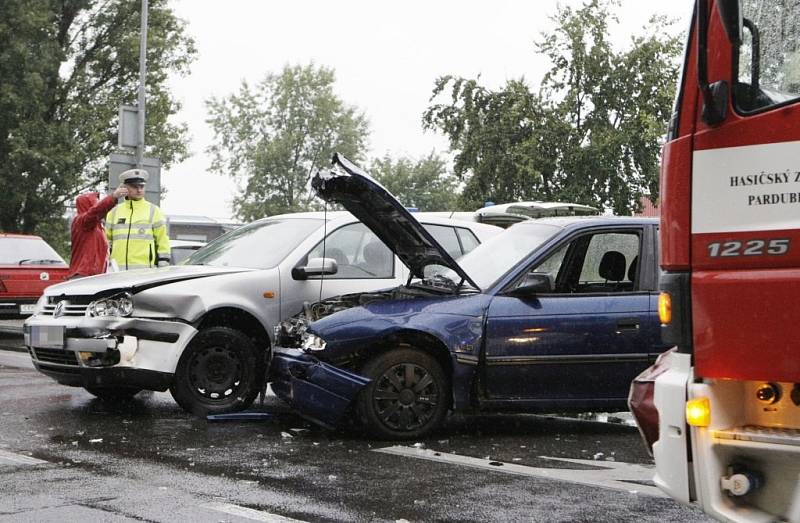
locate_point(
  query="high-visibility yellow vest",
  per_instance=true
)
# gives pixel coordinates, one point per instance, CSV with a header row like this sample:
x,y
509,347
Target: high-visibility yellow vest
x,y
137,233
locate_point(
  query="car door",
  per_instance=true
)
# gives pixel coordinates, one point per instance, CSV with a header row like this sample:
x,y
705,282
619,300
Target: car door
x,y
364,263
582,340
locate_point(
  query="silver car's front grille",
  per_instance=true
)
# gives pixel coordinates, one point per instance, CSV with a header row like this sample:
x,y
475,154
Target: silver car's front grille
x,y
66,310
66,306
59,356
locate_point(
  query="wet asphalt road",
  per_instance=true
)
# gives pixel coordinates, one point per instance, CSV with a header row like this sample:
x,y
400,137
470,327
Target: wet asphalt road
x,y
147,460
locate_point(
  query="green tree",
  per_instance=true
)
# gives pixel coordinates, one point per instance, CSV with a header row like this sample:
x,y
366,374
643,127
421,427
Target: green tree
x,y
493,135
272,136
591,135
65,67
424,183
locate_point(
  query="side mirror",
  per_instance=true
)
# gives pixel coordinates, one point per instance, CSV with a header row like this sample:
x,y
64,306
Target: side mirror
x,y
715,96
731,14
534,283
315,267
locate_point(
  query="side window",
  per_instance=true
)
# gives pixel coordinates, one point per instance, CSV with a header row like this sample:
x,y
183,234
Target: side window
x,y
769,56
468,239
608,258
446,236
358,253
552,266
594,263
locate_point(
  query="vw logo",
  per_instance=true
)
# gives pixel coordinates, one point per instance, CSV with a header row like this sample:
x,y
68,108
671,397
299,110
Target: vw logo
x,y
44,276
59,310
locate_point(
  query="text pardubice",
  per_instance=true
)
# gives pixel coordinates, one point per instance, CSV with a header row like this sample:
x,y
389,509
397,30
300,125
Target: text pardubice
x,y
769,178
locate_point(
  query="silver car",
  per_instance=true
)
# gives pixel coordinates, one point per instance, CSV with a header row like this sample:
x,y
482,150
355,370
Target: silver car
x,y
204,329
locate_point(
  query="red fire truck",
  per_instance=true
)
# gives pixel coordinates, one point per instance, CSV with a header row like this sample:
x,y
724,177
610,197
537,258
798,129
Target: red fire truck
x,y
729,403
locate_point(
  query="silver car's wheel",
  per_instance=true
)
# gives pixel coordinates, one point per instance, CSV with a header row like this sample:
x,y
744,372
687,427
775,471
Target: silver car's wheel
x,y
220,371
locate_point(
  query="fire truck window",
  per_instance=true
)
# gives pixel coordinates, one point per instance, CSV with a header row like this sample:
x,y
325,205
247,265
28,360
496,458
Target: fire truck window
x,y
769,57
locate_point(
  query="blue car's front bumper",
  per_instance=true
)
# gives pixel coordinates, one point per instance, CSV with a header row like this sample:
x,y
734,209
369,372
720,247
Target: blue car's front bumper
x,y
314,389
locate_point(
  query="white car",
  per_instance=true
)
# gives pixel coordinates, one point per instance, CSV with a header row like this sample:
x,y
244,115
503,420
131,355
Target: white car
x,y
182,249
204,329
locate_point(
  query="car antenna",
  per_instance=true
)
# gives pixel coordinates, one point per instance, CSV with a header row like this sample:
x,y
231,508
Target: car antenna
x,y
324,238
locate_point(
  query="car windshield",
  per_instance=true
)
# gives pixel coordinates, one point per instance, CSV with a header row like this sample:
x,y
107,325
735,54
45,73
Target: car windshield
x,y
28,251
259,245
489,261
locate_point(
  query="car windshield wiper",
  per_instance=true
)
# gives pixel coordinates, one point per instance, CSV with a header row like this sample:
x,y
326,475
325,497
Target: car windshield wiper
x,y
38,262
439,282
464,284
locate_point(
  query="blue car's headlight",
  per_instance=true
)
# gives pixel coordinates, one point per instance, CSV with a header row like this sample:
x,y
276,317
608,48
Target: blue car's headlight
x,y
312,342
117,305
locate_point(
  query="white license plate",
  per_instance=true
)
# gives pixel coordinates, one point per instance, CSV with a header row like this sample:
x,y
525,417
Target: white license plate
x,y
27,308
47,336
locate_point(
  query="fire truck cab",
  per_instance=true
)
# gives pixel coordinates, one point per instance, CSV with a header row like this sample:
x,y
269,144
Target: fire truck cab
x,y
729,405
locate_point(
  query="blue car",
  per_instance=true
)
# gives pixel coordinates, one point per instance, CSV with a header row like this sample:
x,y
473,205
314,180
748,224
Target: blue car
x,y
553,314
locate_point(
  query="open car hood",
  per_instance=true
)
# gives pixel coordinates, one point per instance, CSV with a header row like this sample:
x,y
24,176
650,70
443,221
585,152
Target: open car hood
x,y
371,203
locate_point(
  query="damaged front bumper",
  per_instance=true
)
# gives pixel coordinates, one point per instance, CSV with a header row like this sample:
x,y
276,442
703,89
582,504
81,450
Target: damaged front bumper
x,y
107,352
316,390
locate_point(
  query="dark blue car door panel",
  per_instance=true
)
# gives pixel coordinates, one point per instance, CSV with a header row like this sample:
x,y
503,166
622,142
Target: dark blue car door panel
x,y
566,346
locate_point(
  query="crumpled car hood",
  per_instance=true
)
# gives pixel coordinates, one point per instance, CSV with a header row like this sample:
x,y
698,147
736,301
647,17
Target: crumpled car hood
x,y
371,203
138,279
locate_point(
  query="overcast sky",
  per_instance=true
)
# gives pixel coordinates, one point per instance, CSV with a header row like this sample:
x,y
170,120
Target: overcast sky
x,y
386,56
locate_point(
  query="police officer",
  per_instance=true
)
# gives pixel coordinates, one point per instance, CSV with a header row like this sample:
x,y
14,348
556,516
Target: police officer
x,y
135,228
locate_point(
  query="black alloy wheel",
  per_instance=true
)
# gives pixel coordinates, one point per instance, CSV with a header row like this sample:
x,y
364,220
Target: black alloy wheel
x,y
219,371
408,397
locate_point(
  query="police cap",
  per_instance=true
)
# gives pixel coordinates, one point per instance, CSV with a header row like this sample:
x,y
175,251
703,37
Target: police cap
x,y
134,176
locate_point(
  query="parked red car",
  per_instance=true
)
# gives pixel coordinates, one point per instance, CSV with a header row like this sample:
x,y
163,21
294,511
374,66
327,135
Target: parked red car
x,y
28,265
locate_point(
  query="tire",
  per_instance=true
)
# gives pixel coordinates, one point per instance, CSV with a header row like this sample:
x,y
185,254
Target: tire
x,y
390,408
221,370
113,394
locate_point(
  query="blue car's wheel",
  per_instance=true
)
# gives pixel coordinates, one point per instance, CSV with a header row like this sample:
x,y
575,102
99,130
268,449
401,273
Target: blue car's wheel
x,y
408,396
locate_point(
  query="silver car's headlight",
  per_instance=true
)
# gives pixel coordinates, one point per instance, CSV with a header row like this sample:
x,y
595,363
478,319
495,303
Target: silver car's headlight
x,y
312,342
116,305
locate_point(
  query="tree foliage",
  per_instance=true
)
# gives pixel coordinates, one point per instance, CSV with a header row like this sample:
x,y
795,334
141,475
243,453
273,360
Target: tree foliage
x,y
270,137
424,183
65,68
592,134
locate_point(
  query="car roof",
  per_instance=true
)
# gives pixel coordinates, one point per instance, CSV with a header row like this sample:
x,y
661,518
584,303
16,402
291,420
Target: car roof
x,y
23,236
438,218
569,222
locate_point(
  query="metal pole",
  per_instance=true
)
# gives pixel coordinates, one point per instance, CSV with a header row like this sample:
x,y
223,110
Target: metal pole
x,y
142,77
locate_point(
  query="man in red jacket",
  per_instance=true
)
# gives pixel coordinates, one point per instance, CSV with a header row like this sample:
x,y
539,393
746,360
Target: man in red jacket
x,y
89,243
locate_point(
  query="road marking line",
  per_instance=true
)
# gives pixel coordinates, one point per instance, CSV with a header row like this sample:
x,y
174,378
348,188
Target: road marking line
x,y
18,459
607,474
249,513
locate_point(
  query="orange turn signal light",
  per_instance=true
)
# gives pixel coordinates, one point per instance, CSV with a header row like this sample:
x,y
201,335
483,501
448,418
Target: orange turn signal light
x,y
665,308
698,412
